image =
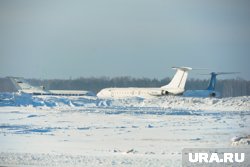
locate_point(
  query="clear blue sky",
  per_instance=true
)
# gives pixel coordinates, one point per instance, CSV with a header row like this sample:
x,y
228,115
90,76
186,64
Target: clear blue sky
x,y
139,38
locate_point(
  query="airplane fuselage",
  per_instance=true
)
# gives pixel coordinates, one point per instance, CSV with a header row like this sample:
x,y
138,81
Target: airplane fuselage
x,y
201,93
137,92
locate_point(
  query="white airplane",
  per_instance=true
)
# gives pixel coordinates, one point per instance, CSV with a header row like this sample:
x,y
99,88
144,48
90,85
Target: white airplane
x,y
23,87
175,87
210,91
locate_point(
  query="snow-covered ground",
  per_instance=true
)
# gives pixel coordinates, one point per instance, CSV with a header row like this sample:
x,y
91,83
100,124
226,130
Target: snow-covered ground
x,y
87,131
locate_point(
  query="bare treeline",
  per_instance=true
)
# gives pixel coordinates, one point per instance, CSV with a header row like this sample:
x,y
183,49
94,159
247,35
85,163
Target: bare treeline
x,y
227,87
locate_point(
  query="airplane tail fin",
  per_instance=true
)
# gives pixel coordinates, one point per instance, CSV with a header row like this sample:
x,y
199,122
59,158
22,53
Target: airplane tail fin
x,y
19,83
22,85
212,82
179,79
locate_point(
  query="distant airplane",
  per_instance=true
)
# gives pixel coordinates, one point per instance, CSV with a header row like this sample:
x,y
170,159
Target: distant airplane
x,y
23,87
175,87
210,91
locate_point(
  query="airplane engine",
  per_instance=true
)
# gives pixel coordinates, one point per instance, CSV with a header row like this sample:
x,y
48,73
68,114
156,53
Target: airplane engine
x,y
158,92
213,94
164,92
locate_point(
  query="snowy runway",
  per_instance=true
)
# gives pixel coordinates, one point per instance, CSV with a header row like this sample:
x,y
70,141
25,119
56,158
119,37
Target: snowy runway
x,y
113,134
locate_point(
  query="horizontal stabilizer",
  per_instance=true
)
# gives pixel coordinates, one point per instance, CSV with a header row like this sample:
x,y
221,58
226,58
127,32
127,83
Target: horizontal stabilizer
x,y
220,73
182,68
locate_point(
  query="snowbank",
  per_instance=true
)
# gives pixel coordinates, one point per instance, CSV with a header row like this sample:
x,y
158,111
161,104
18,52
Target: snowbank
x,y
167,102
189,103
